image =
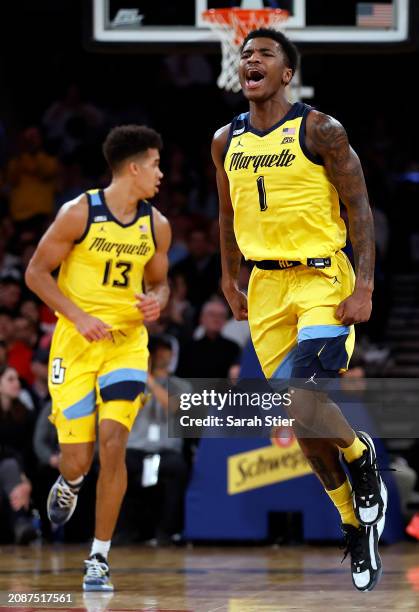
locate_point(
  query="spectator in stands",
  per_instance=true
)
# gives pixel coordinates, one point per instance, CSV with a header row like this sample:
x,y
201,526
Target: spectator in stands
x,y
9,264
25,336
60,118
45,441
7,229
6,324
201,269
39,388
149,437
179,312
181,225
29,308
32,177
203,199
73,182
10,292
189,69
178,174
3,353
212,355
15,455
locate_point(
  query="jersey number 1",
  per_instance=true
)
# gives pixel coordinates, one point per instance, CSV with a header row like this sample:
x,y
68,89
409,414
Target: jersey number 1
x,y
260,181
124,267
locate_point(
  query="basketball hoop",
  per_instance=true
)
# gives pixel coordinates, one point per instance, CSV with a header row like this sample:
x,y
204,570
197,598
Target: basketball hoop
x,y
232,25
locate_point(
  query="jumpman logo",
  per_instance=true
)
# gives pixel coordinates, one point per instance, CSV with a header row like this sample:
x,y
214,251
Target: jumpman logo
x,y
336,280
311,379
239,144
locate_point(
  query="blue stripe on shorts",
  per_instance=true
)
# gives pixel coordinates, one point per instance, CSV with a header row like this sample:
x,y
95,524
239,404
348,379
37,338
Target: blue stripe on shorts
x,y
312,332
123,384
82,408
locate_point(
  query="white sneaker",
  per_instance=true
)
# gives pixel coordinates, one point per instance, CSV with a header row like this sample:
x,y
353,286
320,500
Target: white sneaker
x,y
96,574
362,545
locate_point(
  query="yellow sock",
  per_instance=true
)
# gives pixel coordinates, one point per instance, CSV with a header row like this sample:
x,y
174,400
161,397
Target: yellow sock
x,y
342,498
354,451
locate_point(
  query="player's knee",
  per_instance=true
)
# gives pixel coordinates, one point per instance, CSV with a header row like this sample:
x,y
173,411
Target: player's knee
x,y
303,407
77,466
112,455
76,459
112,444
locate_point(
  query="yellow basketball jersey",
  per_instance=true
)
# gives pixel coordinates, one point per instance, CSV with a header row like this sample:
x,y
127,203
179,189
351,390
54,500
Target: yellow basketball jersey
x,y
105,268
285,207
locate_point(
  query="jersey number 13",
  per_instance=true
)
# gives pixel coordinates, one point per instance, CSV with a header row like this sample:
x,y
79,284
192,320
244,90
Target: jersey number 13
x,y
121,269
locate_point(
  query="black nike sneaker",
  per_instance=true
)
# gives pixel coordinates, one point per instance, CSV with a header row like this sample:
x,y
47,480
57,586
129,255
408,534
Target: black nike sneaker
x,y
362,545
369,491
62,501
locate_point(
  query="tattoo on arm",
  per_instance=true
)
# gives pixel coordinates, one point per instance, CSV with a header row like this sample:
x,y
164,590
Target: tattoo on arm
x,y
343,167
230,252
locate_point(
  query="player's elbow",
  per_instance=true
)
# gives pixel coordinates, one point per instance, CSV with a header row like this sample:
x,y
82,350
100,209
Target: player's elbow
x,y
31,276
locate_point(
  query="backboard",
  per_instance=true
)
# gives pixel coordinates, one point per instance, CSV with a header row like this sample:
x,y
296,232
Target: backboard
x,y
154,24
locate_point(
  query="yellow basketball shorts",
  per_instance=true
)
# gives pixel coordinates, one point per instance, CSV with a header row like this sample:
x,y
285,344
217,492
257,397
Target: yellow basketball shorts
x,y
104,379
292,319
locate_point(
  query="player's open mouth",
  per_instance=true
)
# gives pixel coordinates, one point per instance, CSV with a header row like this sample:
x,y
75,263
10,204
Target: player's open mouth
x,y
254,78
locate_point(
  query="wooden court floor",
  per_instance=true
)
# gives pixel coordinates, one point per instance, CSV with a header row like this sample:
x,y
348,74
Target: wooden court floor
x,y
205,579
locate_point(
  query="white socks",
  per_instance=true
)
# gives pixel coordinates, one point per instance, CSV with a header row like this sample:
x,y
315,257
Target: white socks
x,y
100,547
75,483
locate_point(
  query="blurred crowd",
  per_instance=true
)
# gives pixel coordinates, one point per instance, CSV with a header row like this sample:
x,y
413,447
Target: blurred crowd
x,y
47,164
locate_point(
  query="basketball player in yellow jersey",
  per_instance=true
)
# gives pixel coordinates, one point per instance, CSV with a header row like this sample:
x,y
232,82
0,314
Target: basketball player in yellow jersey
x,y
281,169
109,245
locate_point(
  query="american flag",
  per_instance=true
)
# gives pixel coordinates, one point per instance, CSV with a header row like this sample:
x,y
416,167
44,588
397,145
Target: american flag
x,y
374,15
288,131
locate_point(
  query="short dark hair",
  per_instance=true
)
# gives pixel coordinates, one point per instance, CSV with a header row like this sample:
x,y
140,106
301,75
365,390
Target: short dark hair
x,y
288,47
125,141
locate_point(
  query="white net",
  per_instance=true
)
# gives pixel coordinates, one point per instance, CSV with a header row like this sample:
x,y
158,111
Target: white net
x,y
232,26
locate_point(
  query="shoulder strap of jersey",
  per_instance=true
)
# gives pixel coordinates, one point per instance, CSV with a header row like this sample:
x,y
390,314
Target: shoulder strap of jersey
x,y
238,126
297,110
316,159
96,211
97,205
145,209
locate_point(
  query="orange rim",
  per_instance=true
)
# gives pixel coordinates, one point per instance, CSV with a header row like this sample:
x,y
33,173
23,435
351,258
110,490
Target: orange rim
x,y
243,16
242,21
